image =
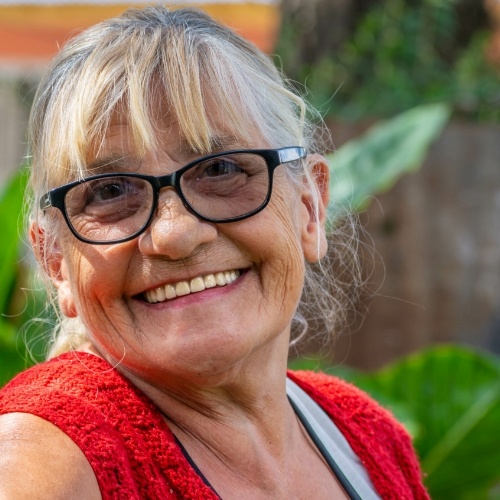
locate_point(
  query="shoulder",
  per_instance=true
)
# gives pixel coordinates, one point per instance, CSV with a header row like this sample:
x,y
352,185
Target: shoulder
x,y
73,383
63,391
71,405
110,422
380,441
38,461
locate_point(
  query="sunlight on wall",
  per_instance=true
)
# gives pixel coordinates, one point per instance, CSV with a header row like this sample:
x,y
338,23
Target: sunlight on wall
x,y
31,34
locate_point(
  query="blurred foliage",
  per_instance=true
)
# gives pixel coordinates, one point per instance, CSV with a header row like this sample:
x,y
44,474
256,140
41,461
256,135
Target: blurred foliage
x,y
22,305
374,162
448,397
400,54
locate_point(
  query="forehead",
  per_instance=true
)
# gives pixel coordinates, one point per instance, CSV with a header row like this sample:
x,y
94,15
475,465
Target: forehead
x,y
118,148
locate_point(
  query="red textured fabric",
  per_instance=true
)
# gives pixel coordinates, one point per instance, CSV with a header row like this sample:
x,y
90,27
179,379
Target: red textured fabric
x,y
133,452
381,442
122,434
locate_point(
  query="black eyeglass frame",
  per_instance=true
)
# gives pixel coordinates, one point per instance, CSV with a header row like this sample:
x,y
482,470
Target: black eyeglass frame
x,y
273,158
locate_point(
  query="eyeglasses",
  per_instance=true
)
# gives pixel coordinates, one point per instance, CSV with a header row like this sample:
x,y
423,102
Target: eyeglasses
x,y
222,187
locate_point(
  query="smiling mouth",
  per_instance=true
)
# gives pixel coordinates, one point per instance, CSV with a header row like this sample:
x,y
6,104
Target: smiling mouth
x,y
198,284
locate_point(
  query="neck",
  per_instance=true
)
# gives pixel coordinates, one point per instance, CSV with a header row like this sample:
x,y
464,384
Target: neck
x,y
240,430
239,414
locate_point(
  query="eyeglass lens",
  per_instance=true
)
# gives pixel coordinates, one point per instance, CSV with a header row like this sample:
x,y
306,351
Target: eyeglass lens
x,y
109,209
220,188
227,186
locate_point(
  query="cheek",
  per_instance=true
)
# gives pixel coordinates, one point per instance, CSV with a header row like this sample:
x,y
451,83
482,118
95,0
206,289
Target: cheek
x,y
97,277
282,256
99,300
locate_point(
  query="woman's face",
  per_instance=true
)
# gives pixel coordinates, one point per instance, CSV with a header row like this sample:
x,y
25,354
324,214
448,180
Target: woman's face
x,y
210,333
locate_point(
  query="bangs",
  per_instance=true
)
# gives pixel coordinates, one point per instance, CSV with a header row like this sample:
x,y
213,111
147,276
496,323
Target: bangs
x,y
191,77
199,71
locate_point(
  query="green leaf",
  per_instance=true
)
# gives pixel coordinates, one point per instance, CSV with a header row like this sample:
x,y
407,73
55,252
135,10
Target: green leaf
x,y
11,204
373,163
454,396
12,356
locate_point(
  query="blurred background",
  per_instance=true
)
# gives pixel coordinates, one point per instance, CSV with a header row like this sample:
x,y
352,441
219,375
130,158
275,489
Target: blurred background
x,y
435,276
437,232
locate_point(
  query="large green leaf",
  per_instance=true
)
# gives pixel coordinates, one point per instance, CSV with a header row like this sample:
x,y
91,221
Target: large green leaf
x,y
13,357
453,396
13,354
372,164
11,204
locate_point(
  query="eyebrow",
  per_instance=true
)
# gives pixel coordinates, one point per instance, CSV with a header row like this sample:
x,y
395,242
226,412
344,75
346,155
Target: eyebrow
x,y
118,163
112,163
226,142
218,144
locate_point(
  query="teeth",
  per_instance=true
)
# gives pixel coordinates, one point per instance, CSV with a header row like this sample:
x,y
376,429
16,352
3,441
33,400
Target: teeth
x,y
182,288
209,281
220,279
160,294
170,292
197,284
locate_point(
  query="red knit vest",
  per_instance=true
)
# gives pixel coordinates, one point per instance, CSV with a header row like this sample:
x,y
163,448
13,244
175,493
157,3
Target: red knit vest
x,y
134,455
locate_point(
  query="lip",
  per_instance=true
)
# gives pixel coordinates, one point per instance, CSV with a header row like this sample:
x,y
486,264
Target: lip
x,y
189,287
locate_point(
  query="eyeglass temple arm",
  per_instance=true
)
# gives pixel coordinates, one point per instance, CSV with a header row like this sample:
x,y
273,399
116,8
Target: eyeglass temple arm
x,y
45,201
287,155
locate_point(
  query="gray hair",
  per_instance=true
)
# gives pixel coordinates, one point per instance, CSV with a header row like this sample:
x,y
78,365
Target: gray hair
x,y
187,58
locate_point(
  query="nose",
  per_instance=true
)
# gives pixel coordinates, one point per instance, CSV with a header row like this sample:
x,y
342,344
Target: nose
x,y
175,232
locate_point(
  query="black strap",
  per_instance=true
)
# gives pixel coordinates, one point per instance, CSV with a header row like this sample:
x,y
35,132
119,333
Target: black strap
x,y
350,491
194,466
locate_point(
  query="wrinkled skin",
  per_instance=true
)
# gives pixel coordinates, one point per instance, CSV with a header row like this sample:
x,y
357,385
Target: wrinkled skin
x,y
213,362
205,338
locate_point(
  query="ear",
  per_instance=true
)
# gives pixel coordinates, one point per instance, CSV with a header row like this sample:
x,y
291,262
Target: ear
x,y
314,197
54,264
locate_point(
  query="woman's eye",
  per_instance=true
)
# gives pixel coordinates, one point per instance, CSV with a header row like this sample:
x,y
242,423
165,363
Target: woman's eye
x,y
110,190
222,167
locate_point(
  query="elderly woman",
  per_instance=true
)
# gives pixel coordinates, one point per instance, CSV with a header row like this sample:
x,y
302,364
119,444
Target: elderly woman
x,y
178,204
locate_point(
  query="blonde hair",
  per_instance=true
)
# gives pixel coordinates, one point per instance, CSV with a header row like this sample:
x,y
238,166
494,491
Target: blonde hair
x,y
126,64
